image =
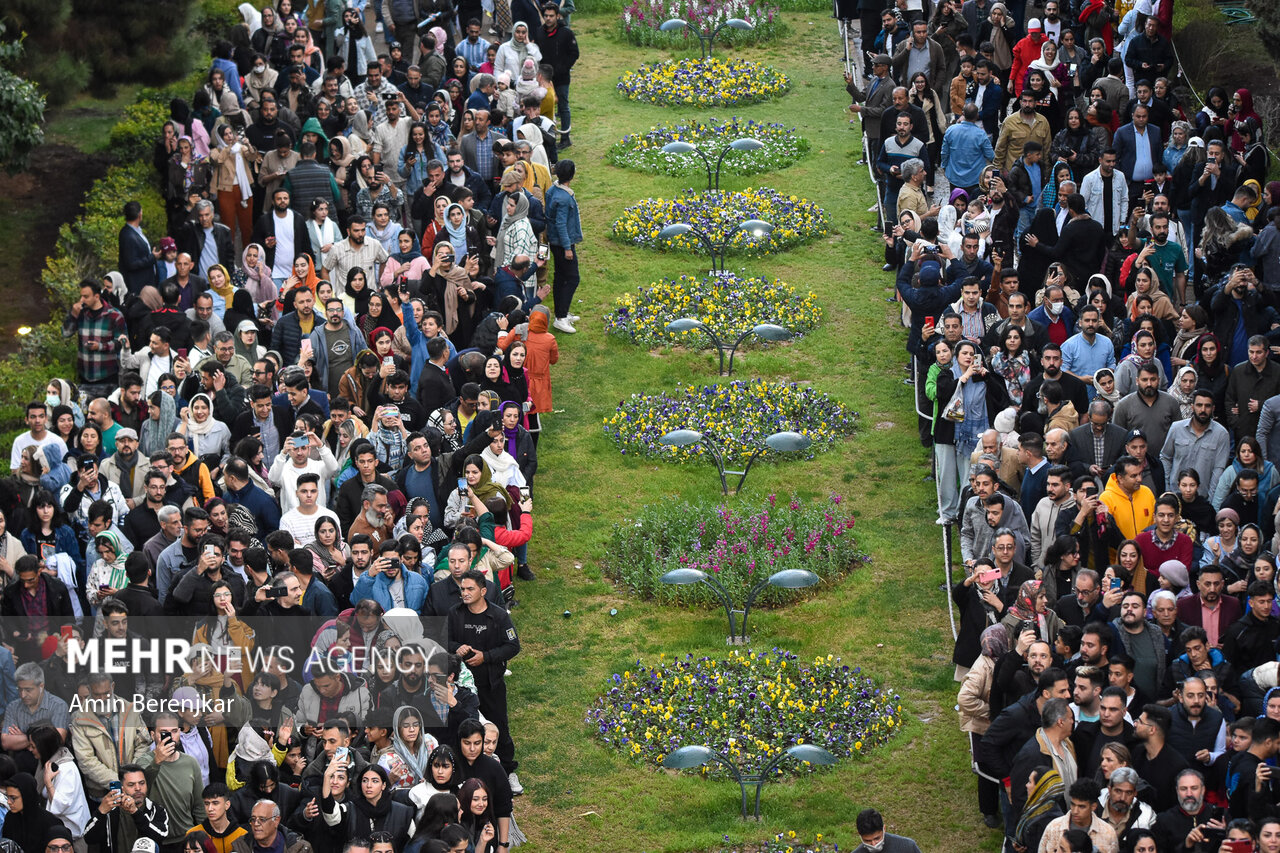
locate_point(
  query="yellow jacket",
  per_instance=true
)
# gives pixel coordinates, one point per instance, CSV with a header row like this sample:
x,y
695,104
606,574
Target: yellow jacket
x,y
1132,513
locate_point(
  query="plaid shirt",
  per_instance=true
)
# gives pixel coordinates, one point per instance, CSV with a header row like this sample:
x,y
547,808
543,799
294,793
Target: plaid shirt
x,y
100,363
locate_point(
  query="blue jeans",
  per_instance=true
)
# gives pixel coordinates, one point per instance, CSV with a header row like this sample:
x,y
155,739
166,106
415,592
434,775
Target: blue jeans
x,y
1025,215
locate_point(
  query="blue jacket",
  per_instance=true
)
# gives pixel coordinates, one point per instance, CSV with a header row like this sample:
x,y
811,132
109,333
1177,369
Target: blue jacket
x,y
923,302
415,590
286,337
231,74
1125,144
564,227
264,510
417,346
1042,317
319,601
65,540
966,150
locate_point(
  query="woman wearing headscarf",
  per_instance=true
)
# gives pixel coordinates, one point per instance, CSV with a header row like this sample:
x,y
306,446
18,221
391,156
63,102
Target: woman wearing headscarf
x,y
1001,30
479,483
512,53
408,263
975,703
107,576
162,419
233,166
221,288
303,276
542,351
515,234
371,809
322,229
459,234
246,332
1032,606
1183,388
1044,804
188,175
27,823
1142,354
1241,111
209,437
255,277
411,742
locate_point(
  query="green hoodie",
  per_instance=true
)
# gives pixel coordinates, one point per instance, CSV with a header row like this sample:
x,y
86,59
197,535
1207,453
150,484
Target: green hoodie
x,y
313,126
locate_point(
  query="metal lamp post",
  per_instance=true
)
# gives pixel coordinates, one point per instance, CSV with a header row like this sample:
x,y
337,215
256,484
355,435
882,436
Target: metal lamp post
x,y
705,38
755,229
689,757
746,143
764,331
785,579
780,442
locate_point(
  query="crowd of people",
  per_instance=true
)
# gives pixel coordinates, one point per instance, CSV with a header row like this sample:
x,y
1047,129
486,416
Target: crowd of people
x,y
302,437
1088,263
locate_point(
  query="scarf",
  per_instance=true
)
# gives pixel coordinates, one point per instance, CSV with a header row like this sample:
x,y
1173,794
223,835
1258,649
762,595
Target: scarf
x,y
521,50
448,443
199,431
439,33
1133,357
994,642
1043,64
250,747
1046,794
502,466
457,234
1064,762
115,574
514,433
485,488
227,291
455,278
155,432
1024,607
257,276
1175,390
417,762
1113,396
522,212
243,180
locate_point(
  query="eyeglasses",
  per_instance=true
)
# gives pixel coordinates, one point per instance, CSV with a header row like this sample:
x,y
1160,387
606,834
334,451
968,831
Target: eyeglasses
x,y
254,820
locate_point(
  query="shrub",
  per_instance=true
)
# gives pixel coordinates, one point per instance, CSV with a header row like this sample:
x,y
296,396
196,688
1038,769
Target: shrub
x,y
750,706
640,20
133,137
738,415
718,214
738,546
704,83
782,147
728,303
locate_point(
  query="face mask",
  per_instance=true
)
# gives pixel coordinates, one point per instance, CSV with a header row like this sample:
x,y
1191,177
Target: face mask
x,y
259,69
1055,308
878,846
52,400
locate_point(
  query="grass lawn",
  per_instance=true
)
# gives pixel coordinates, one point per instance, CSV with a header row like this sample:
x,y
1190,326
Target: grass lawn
x,y
889,617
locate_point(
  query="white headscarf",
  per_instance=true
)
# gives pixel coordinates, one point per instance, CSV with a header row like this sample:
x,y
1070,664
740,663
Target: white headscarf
x,y
251,16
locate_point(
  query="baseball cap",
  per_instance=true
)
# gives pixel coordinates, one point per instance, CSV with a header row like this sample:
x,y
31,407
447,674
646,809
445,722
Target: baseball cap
x,y
127,432
144,845
881,59
1033,24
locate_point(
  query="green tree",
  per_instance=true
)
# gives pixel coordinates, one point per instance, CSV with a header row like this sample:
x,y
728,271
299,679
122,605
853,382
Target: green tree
x,y
1268,14
21,109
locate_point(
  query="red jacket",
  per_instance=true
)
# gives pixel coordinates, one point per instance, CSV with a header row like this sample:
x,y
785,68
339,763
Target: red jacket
x,y
1025,52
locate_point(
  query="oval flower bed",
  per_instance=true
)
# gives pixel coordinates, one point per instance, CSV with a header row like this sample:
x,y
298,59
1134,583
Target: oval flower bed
x,y
703,83
641,19
718,214
738,546
749,706
782,147
728,303
738,414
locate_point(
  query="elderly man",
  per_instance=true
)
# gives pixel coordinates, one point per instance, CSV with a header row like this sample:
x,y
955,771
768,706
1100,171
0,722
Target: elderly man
x,y
1121,808
1192,824
1010,470
268,833
207,242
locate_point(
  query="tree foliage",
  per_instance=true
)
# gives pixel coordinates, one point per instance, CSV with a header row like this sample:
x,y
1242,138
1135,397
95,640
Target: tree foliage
x,y
21,109
1268,14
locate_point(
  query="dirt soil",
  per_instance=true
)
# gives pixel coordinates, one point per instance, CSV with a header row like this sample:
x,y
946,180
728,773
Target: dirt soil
x,y
50,193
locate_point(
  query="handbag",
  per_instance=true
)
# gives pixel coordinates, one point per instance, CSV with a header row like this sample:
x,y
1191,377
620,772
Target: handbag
x,y
954,410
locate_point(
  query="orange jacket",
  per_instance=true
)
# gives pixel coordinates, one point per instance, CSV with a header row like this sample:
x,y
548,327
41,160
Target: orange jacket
x,y
542,353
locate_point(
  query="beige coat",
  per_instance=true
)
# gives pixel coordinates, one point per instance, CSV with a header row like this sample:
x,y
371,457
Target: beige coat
x,y
975,696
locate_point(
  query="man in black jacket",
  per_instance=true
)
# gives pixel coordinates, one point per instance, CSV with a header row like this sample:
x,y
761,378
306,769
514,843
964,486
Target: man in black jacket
x,y
271,221
451,702
483,636
435,388
29,610
194,239
1080,246
136,257
559,48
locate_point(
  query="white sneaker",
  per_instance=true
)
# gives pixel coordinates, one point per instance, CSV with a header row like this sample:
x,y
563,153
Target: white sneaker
x,y
564,326
573,318
514,782
378,28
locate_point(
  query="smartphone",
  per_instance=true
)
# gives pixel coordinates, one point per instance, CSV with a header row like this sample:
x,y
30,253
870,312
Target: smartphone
x,y
1027,625
543,251
182,352
301,441
928,321
524,493
1238,845
389,361
462,486
210,549
306,345
66,630
276,593
989,576
114,785
341,753
1116,583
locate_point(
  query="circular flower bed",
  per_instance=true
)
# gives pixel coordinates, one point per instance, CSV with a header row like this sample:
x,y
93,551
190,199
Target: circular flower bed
x,y
739,415
728,303
641,19
749,707
736,545
703,83
782,147
718,214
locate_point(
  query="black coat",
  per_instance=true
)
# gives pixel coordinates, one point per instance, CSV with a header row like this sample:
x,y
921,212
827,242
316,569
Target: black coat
x,y
1034,264
997,392
1080,249
191,240
137,264
266,227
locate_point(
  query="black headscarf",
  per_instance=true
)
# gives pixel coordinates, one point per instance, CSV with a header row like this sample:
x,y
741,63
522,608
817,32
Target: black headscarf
x,y
30,827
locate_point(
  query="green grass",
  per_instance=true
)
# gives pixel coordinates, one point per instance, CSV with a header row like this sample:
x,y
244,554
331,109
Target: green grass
x,y
888,617
85,123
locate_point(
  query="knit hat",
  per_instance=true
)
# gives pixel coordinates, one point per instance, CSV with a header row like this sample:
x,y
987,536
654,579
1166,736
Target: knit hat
x,y
1176,573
